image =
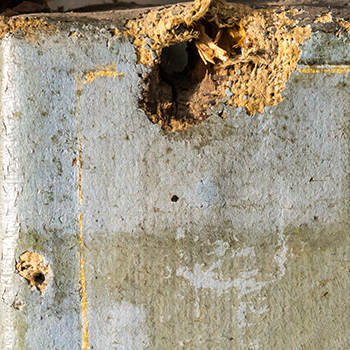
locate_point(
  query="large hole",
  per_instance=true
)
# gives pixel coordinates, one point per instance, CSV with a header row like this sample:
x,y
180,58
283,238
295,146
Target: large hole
x,y
174,59
201,54
172,84
182,87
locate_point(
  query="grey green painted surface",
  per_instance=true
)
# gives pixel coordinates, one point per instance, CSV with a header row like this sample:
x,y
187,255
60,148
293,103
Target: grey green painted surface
x,y
253,255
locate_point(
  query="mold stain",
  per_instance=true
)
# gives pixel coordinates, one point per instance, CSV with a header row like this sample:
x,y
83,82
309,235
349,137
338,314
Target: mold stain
x,y
185,282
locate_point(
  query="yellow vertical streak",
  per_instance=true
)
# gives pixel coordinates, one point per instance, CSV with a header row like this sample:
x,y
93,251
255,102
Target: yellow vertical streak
x,y
109,71
83,289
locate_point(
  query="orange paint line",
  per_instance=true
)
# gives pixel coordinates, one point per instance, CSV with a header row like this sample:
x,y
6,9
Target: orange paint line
x,y
83,288
323,69
110,70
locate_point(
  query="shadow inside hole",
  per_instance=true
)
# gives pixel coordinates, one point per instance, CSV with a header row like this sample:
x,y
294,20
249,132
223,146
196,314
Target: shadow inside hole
x,y
39,278
190,77
171,92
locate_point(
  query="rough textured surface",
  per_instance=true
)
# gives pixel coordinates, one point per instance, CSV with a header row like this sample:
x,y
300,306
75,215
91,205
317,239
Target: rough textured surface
x,y
232,234
27,26
32,267
243,54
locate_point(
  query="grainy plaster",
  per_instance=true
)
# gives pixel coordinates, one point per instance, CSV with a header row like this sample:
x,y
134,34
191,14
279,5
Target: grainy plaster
x,y
254,254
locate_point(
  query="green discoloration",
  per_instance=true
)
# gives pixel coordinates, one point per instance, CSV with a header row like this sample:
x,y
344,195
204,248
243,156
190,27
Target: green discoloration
x,y
22,328
308,306
237,290
60,252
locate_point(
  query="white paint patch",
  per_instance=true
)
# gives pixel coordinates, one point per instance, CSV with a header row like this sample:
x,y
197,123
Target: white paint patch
x,y
221,248
254,344
170,272
241,315
204,193
248,251
180,233
213,279
281,256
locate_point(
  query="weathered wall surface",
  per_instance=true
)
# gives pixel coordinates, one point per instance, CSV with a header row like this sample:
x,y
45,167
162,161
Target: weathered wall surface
x,y
233,234
69,5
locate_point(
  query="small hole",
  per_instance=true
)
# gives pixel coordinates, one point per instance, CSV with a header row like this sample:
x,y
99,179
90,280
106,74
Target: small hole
x,y
24,267
174,198
39,278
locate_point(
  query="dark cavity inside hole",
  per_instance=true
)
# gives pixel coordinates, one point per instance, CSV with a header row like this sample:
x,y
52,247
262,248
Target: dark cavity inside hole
x,y
174,198
174,59
180,89
172,88
39,278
